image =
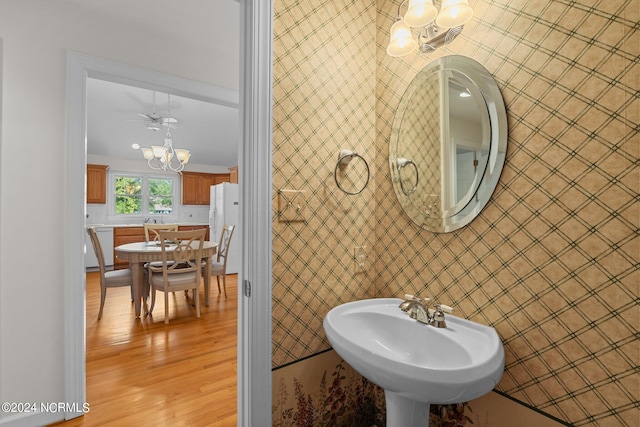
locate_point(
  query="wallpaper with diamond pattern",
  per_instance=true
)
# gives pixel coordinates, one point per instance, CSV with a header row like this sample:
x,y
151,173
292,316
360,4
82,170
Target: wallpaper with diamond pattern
x,y
324,101
552,262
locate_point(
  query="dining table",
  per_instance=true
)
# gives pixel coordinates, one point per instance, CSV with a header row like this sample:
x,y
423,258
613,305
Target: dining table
x,y
140,253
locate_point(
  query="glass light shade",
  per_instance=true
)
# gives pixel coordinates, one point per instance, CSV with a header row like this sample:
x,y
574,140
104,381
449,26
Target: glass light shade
x,y
182,155
402,42
420,13
159,151
147,153
454,13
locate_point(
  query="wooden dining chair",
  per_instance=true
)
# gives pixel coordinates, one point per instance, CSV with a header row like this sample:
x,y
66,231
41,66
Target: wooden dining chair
x,y
219,266
180,271
151,231
108,279
152,234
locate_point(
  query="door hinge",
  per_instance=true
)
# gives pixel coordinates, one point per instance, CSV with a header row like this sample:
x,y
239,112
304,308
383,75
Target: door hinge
x,y
247,288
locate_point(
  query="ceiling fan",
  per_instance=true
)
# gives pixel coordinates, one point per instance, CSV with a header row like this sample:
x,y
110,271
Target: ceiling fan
x,y
155,121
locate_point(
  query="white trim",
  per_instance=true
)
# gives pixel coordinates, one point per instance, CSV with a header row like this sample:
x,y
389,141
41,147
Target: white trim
x,y
1,198
79,67
74,278
30,419
254,323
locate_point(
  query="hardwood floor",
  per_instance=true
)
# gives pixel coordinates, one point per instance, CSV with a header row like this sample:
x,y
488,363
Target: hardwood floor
x,y
143,372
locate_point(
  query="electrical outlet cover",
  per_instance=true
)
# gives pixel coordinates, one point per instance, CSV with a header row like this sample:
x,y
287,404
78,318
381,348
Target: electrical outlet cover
x,y
360,260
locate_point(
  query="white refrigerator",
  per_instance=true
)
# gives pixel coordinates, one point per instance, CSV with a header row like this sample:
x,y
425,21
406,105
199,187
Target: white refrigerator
x,y
224,209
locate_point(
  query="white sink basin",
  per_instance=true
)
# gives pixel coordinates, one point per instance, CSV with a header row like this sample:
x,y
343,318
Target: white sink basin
x,y
416,364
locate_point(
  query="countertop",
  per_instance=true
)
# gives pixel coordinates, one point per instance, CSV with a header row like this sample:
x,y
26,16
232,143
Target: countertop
x,y
141,225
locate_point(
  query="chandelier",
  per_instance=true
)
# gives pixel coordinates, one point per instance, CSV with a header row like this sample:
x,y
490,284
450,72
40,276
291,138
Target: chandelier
x,y
163,157
438,28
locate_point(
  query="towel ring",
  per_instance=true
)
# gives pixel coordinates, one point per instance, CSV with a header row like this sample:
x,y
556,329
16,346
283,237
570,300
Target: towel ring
x,y
402,162
344,157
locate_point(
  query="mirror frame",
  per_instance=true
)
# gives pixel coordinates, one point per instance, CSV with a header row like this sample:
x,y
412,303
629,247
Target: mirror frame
x,y
482,82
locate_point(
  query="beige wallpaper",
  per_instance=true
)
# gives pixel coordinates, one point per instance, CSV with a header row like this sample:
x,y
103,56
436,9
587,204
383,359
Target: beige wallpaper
x,y
324,101
551,263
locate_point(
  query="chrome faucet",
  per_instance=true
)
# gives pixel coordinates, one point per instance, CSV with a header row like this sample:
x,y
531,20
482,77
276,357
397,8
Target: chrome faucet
x,y
416,308
419,309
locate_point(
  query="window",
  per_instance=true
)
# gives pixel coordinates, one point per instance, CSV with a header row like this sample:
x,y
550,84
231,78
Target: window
x,y
142,194
128,195
160,195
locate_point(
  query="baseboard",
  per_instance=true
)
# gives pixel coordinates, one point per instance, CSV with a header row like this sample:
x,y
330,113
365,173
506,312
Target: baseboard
x,y
33,419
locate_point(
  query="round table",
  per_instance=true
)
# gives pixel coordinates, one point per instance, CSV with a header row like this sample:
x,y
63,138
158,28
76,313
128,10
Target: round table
x,y
140,253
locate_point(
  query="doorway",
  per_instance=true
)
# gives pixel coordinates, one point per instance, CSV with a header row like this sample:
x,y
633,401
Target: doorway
x,y
81,68
254,322
117,116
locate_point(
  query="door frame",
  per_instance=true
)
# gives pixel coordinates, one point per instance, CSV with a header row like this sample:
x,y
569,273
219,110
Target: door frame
x,y
256,118
254,308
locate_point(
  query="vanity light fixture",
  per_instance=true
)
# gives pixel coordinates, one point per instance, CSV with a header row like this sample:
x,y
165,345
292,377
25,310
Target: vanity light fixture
x,y
163,157
437,28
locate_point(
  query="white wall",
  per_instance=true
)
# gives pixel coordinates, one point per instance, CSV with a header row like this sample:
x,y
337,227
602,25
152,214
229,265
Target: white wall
x,y
36,35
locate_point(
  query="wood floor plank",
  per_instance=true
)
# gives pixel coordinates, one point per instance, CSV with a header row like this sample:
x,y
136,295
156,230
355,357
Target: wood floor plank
x,y
143,372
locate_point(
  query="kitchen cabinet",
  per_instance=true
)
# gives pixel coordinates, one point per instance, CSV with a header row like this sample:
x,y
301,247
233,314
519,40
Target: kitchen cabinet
x,y
195,188
219,178
196,185
233,175
122,235
97,184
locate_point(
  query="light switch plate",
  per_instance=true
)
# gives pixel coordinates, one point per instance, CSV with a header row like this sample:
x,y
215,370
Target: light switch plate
x,y
291,206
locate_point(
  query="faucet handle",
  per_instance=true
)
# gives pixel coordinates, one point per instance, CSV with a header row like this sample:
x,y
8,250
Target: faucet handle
x,y
438,316
410,297
443,308
409,300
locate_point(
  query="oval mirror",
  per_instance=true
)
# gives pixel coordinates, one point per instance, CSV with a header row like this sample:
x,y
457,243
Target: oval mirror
x,y
448,143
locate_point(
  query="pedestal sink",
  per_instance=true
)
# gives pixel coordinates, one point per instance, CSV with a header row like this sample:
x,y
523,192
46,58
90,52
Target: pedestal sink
x,y
416,364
